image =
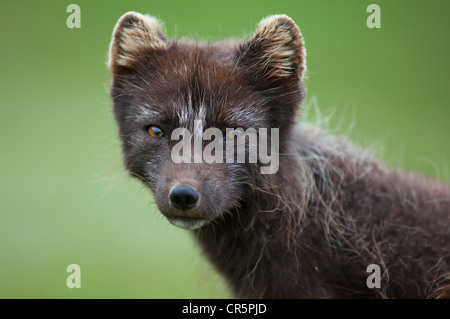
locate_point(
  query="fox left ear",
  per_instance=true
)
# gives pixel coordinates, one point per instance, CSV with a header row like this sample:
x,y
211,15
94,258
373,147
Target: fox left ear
x,y
134,36
276,50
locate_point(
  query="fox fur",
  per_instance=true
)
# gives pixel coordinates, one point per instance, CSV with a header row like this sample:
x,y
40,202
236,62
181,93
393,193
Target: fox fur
x,y
311,229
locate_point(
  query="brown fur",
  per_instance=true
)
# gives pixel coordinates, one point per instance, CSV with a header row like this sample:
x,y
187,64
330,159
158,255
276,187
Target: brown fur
x,y
311,229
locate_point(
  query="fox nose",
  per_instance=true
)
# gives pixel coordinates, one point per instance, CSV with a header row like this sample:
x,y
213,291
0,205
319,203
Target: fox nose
x,y
183,197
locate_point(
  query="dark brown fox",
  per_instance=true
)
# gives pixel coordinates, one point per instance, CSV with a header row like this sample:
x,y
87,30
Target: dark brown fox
x,y
311,229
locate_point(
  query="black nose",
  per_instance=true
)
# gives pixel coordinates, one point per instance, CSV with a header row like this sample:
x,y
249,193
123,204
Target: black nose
x,y
183,197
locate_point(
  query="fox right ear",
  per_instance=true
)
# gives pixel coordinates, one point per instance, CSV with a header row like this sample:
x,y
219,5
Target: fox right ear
x,y
276,50
134,35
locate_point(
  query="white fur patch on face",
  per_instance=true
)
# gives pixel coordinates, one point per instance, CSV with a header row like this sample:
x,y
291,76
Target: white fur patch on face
x,y
189,118
133,34
200,121
146,111
187,223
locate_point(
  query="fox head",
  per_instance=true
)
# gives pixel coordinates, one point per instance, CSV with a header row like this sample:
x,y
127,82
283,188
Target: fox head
x,y
160,85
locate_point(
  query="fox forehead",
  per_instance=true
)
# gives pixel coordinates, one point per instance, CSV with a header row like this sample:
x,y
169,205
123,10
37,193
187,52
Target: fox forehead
x,y
195,81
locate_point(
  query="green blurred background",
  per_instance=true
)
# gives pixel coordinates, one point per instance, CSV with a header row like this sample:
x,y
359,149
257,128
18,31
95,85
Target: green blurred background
x,y
64,195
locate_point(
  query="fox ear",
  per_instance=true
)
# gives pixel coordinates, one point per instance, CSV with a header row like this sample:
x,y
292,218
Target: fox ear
x,y
134,35
276,50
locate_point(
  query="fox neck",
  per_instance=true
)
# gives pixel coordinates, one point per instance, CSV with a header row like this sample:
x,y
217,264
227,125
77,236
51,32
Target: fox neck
x,y
249,245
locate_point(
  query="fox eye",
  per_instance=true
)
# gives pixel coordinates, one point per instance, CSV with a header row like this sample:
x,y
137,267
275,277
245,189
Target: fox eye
x,y
236,132
154,131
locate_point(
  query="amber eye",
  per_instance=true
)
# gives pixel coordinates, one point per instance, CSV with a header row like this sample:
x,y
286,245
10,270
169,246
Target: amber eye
x,y
235,132
155,131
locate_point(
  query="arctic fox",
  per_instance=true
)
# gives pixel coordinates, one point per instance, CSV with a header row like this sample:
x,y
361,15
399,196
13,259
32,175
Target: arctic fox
x,y
308,229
